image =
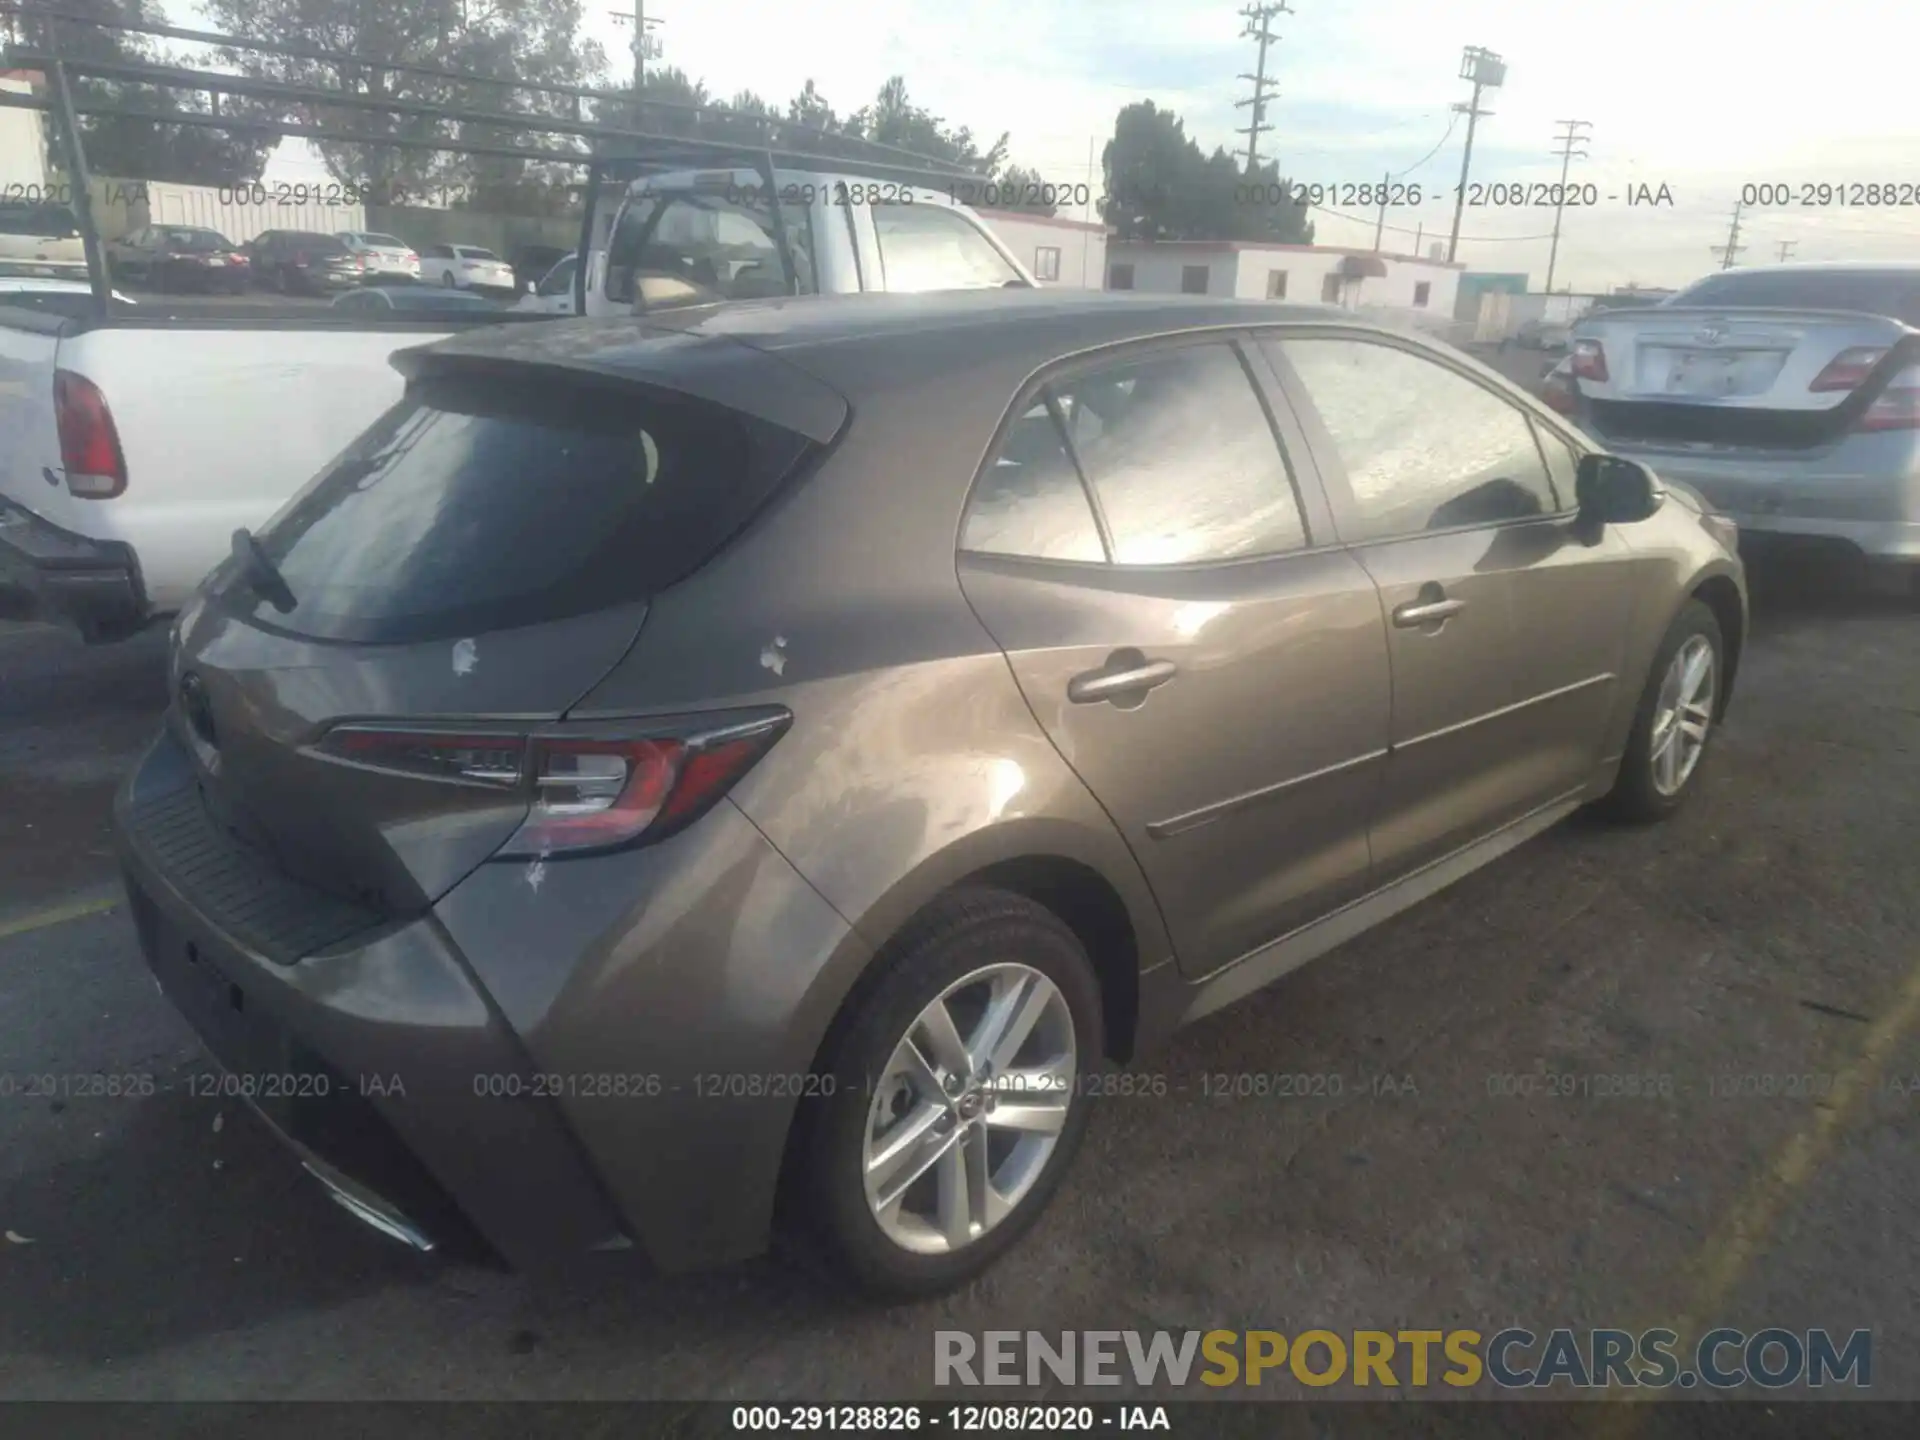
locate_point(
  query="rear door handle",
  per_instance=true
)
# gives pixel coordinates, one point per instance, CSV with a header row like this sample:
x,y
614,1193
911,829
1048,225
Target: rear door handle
x,y
1416,613
1136,677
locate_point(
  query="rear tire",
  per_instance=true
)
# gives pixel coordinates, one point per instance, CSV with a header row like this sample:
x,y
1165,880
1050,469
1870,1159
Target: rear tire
x,y
446,279
974,955
1678,716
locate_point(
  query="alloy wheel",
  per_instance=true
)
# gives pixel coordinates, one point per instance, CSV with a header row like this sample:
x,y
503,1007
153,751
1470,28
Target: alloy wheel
x,y
969,1108
1682,715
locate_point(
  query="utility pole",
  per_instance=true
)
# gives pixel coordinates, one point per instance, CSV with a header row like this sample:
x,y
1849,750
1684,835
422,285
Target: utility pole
x,y
643,45
1487,71
1733,247
1574,136
1259,18
1380,225
1786,248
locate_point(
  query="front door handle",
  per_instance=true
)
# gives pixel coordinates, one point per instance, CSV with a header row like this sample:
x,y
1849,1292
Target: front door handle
x,y
1429,609
1125,676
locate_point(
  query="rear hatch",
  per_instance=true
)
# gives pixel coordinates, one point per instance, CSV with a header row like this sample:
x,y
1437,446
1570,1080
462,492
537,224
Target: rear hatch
x,y
359,686
1788,361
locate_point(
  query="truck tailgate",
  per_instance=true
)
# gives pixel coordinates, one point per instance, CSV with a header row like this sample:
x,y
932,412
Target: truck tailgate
x,y
220,427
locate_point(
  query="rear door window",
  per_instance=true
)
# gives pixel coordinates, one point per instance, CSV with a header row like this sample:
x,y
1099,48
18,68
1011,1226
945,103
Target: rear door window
x,y
1182,459
42,222
1030,502
481,503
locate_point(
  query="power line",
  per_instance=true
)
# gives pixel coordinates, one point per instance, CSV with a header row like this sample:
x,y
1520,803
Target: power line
x,y
1568,154
1259,18
1733,247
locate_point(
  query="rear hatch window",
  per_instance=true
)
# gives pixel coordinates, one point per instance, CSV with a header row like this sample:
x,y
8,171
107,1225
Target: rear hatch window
x,y
486,502
1893,293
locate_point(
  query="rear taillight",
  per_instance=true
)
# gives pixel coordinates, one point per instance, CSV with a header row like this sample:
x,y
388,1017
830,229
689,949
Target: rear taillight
x,y
1897,407
598,794
1589,361
591,791
1849,368
89,445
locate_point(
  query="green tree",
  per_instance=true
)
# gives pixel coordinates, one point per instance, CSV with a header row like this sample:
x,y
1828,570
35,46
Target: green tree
x,y
1025,190
1161,186
127,147
494,45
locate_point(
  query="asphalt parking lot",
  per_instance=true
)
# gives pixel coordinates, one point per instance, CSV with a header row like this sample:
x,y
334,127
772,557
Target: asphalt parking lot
x,y
165,1247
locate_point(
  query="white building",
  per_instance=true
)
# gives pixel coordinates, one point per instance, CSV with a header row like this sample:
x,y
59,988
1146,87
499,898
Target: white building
x,y
1071,253
1303,274
23,151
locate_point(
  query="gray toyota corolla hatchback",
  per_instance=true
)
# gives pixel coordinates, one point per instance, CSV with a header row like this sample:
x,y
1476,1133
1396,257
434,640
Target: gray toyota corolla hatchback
x,y
676,782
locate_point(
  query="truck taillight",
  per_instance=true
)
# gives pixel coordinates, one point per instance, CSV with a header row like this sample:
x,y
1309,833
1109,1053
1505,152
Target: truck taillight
x,y
1847,369
89,445
1897,407
586,792
1589,361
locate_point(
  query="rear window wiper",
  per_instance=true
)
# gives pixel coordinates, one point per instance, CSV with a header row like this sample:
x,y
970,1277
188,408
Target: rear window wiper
x,y
261,575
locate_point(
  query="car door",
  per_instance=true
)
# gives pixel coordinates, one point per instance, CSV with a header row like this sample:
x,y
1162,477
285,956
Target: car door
x,y
1153,554
1505,617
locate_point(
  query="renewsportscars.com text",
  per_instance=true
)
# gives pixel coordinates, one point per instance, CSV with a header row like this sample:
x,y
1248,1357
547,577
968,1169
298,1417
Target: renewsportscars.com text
x,y
1512,1359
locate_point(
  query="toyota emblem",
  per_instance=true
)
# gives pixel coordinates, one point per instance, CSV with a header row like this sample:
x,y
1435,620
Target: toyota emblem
x,y
1711,334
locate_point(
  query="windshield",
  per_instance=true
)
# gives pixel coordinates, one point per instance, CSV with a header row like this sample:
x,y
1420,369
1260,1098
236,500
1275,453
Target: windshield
x,y
1894,293
40,221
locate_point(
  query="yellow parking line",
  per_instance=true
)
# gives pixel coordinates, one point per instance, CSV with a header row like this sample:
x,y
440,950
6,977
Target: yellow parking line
x,y
58,915
1743,1234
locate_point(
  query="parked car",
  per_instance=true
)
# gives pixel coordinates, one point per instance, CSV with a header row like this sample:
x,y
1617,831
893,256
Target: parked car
x,y
413,300
180,257
1544,334
381,257
1787,395
532,262
303,262
807,842
466,267
552,294
38,239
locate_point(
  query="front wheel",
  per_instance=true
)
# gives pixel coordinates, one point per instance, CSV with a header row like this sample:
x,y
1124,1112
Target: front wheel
x,y
957,1100
1678,713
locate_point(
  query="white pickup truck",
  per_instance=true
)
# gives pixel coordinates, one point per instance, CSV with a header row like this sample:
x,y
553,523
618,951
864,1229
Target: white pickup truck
x,y
133,445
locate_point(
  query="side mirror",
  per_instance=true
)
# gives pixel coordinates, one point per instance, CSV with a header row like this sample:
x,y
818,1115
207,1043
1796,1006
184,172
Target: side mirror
x,y
1613,491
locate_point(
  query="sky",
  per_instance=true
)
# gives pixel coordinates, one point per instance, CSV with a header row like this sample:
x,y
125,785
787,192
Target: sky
x,y
1703,97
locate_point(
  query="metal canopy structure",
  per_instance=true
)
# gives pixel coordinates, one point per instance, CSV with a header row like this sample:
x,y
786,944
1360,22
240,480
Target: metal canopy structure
x,y
611,152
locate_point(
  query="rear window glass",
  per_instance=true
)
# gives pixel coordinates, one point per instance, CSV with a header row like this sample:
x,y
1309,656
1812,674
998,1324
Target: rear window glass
x,y
478,504
319,244
195,240
38,220
389,241
474,252
1877,292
